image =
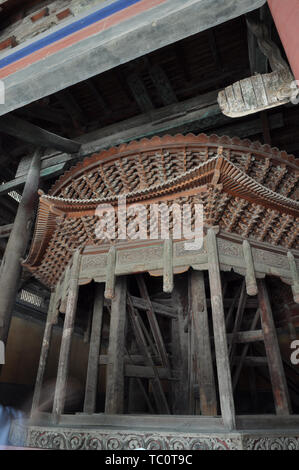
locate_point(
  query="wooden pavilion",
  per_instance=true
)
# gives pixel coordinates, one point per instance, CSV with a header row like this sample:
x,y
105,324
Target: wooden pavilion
x,y
122,121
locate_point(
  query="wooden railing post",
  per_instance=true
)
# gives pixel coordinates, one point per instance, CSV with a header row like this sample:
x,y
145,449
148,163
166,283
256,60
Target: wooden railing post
x,y
68,327
51,320
94,351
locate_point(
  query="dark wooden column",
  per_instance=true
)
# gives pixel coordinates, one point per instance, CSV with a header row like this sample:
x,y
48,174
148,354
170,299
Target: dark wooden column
x,y
11,267
201,345
94,351
51,320
220,339
179,346
115,367
65,348
279,385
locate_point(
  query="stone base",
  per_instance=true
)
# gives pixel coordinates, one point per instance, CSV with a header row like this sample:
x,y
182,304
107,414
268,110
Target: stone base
x,y
92,438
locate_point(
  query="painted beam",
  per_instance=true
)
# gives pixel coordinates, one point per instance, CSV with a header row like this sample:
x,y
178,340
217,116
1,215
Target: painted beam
x,y
116,40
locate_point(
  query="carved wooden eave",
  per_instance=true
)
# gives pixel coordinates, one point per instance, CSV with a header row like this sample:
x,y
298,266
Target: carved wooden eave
x,y
250,191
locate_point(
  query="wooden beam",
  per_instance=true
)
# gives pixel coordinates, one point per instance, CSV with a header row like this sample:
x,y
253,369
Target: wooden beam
x,y
153,322
147,372
65,348
5,230
115,369
51,320
220,339
28,132
140,92
245,351
158,392
16,246
238,320
202,346
162,84
94,351
167,23
163,310
247,336
277,374
179,347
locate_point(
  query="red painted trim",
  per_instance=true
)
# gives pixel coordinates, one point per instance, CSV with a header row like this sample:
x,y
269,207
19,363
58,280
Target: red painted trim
x,y
103,25
286,17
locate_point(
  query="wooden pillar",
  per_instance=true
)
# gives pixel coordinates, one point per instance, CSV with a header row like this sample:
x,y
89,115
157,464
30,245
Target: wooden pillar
x,y
115,367
278,380
179,342
68,327
251,286
51,320
11,264
202,347
220,339
94,351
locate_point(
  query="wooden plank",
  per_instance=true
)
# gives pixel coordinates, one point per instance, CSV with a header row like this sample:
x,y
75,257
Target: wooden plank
x,y
51,320
65,348
202,346
153,322
247,336
28,132
222,358
115,369
163,310
277,375
94,351
179,347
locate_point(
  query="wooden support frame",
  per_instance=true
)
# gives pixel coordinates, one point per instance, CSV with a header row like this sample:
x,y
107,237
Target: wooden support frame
x,y
158,392
220,339
68,327
277,375
94,351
